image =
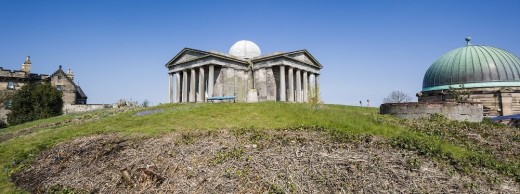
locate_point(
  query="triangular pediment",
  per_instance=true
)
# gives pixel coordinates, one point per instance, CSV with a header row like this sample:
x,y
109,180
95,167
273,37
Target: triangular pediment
x,y
188,54
305,56
302,56
185,55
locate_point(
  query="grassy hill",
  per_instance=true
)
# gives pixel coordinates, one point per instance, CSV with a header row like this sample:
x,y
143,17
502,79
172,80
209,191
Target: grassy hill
x,y
471,149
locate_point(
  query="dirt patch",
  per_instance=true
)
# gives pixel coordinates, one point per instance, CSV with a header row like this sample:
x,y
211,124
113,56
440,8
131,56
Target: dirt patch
x,y
245,161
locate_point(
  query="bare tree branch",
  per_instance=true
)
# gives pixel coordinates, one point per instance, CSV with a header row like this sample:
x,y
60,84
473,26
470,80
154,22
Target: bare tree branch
x,y
397,97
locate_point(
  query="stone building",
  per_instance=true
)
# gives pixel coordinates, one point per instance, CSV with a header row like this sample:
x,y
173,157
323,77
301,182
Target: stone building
x,y
196,75
15,79
491,76
72,93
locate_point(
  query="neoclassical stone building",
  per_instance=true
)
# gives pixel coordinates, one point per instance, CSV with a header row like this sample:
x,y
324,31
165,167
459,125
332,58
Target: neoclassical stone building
x,y
195,75
490,74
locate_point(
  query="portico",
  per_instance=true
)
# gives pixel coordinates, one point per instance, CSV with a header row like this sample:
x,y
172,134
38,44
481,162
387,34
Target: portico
x,y
195,75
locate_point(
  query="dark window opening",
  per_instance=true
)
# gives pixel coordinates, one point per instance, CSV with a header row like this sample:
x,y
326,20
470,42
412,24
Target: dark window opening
x,y
59,87
59,76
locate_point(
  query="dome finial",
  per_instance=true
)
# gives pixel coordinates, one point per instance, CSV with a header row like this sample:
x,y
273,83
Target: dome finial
x,y
468,39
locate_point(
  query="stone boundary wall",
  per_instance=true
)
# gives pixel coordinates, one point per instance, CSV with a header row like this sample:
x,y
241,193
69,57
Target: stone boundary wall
x,y
3,114
77,108
472,112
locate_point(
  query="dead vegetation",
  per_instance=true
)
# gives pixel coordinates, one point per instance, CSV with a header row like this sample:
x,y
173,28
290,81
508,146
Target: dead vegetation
x,y
499,140
252,161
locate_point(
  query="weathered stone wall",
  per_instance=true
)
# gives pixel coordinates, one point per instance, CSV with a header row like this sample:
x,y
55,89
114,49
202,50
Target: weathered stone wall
x,y
229,81
270,85
77,108
219,81
241,85
496,101
261,84
472,112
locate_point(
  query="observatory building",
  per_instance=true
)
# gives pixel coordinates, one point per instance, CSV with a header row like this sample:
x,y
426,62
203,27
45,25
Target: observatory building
x,y
491,76
244,73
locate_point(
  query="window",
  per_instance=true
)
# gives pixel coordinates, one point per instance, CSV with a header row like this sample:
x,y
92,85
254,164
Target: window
x,y
9,104
59,76
10,85
59,87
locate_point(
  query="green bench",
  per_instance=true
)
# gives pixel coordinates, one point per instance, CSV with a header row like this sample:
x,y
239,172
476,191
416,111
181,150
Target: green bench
x,y
212,99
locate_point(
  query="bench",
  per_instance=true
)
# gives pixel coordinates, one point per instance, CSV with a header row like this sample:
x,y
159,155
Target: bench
x,y
212,99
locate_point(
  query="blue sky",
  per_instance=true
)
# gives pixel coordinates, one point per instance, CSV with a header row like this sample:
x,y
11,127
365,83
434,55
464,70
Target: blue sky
x,y
118,48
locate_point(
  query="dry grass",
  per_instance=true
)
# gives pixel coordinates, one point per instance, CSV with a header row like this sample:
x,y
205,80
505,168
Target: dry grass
x,y
246,161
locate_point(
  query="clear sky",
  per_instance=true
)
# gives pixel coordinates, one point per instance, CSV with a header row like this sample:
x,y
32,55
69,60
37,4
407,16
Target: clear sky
x,y
118,48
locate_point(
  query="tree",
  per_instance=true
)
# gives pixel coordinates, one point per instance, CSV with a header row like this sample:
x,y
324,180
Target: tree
x,y
146,103
459,94
397,97
33,102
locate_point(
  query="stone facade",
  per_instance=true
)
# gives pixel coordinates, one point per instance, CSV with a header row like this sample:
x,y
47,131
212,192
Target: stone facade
x,y
196,75
455,111
72,93
495,100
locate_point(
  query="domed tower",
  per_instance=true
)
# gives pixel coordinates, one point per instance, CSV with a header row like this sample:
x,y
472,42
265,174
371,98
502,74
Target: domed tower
x,y
245,49
491,76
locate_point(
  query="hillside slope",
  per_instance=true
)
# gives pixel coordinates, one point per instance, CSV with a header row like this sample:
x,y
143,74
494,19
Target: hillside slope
x,y
277,147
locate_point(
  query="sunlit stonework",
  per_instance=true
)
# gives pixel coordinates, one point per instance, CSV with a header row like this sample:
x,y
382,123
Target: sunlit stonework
x,y
243,75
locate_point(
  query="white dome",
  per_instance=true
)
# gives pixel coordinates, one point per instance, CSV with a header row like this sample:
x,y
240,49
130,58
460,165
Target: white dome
x,y
245,49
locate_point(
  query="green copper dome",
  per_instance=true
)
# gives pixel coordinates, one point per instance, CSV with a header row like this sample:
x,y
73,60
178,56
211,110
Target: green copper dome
x,y
473,66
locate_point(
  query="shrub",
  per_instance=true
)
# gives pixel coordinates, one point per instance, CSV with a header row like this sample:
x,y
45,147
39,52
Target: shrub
x,y
35,102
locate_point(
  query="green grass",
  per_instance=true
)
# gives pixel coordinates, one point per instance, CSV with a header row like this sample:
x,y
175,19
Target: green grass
x,y
341,122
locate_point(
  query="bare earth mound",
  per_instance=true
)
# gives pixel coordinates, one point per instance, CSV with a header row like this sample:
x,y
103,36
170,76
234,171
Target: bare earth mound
x,y
245,161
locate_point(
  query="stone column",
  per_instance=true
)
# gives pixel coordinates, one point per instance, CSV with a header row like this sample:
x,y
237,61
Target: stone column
x,y
202,96
193,83
282,89
298,86
317,81
211,80
185,86
305,86
291,85
170,89
312,85
177,87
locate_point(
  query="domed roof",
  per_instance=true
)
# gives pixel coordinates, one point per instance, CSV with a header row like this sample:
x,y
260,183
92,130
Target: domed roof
x,y
245,49
473,66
